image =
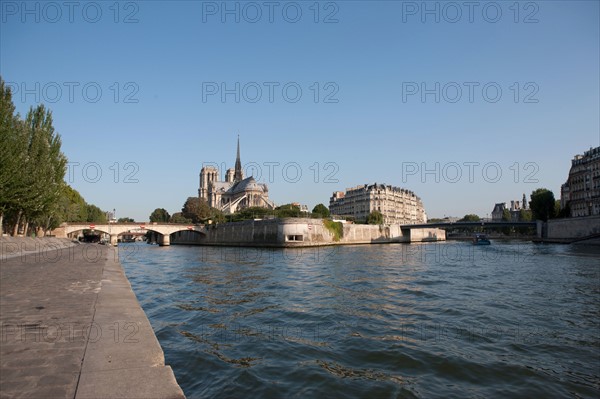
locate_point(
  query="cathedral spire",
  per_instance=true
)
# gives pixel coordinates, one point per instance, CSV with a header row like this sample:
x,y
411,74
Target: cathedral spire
x,y
238,164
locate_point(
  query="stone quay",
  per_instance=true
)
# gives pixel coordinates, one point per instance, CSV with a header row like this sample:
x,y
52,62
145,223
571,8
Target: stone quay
x,y
71,326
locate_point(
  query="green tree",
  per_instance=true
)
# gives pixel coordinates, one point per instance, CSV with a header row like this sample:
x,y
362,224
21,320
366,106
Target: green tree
x,y
72,206
95,214
217,216
159,215
542,204
250,213
12,152
375,217
288,211
564,212
196,209
321,211
33,193
470,218
125,220
506,217
525,215
557,210
45,166
33,166
178,217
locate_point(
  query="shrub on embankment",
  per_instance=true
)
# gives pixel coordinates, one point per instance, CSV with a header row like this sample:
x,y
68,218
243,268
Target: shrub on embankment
x,y
335,228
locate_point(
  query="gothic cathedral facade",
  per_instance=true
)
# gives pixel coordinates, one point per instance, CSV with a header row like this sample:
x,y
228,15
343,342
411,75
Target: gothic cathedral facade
x,y
235,193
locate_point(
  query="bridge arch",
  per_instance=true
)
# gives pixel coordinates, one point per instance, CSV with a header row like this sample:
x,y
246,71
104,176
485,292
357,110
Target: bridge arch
x,y
113,233
75,232
163,230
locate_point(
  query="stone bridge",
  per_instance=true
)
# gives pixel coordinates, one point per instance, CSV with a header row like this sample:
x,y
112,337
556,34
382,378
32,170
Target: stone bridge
x,y
165,230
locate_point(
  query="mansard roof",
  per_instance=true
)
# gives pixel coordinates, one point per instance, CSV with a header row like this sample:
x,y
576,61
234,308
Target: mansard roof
x,y
499,207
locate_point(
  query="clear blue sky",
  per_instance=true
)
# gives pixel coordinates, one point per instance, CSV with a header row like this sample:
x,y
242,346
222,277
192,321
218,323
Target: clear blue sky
x,y
170,57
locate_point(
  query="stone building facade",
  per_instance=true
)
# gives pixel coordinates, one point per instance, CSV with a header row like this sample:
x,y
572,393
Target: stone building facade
x,y
236,192
581,192
397,205
514,210
498,211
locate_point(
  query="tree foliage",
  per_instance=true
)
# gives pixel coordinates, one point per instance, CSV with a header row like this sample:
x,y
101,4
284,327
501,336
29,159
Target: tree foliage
x,y
95,214
321,211
288,211
217,216
250,213
470,218
33,166
125,220
375,217
160,215
335,228
542,204
563,212
179,218
506,217
196,209
525,215
283,211
33,193
557,211
73,208
11,158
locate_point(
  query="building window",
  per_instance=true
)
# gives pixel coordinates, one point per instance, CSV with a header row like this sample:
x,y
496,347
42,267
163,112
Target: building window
x,y
295,238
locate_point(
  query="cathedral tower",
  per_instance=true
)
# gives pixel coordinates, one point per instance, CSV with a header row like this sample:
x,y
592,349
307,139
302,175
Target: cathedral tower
x,y
238,176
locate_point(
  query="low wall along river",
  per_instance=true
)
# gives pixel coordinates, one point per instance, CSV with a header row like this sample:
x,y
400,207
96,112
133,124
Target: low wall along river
x,y
294,232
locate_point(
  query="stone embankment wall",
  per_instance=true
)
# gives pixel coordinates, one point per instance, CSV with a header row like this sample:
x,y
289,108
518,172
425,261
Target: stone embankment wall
x,y
572,229
295,232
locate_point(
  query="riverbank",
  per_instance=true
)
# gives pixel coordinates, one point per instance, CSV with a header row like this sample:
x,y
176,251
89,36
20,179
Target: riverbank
x,y
303,232
581,230
72,327
499,237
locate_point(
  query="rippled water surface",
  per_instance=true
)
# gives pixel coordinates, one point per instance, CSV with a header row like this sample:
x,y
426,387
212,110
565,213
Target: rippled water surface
x,y
513,319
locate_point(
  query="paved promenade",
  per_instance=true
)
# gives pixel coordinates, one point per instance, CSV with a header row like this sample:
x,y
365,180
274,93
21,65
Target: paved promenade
x,y
71,327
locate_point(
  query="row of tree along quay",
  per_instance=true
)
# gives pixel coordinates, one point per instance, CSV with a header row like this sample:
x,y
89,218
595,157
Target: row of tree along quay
x,y
196,210
34,198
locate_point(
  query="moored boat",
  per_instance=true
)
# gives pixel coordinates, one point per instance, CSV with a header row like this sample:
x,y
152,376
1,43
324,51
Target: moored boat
x,y
481,239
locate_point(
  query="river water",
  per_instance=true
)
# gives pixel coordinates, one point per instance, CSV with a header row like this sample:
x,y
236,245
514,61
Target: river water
x,y
514,319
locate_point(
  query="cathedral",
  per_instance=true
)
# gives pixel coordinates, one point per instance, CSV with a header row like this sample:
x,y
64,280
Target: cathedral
x,y
235,193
